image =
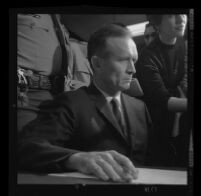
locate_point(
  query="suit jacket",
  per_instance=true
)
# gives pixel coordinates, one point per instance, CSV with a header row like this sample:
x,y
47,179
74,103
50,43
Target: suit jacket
x,y
82,120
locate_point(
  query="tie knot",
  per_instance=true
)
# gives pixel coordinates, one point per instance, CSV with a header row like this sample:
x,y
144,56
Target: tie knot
x,y
116,102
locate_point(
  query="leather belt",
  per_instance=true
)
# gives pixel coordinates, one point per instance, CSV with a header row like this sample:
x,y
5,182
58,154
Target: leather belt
x,y
29,79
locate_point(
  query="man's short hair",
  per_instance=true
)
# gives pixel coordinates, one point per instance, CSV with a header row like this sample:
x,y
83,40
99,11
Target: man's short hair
x,y
97,42
155,20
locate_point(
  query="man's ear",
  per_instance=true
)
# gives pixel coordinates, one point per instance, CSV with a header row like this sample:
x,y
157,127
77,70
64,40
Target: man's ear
x,y
95,61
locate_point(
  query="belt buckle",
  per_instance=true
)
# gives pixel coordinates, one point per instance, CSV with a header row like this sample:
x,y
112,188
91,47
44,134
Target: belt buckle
x,y
22,81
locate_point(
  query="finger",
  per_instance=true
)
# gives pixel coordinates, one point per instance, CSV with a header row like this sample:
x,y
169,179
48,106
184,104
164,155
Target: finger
x,y
98,172
125,163
109,170
117,167
129,172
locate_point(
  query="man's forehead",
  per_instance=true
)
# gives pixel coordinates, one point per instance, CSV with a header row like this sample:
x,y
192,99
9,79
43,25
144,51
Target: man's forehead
x,y
121,43
122,48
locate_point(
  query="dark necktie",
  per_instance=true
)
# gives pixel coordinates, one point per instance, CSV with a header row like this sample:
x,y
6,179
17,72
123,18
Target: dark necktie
x,y
117,113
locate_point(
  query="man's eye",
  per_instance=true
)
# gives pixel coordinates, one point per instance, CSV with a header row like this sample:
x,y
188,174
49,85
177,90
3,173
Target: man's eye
x,y
122,60
134,60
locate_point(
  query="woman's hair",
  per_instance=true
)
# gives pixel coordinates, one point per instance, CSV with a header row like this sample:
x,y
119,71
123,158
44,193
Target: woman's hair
x,y
150,25
97,42
155,20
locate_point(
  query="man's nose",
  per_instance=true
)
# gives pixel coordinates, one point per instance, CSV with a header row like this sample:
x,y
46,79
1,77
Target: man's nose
x,y
131,67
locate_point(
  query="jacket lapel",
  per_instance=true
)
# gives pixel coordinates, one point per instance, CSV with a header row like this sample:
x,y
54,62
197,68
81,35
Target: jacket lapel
x,y
129,116
104,108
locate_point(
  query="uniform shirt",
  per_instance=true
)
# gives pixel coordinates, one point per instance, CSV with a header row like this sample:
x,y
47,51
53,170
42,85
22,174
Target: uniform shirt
x,y
38,45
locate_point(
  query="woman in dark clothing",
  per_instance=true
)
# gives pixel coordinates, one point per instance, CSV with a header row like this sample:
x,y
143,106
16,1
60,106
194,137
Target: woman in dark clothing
x,y
160,71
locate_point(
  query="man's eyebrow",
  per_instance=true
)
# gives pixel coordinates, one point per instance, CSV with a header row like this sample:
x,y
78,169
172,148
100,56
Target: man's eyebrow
x,y
134,58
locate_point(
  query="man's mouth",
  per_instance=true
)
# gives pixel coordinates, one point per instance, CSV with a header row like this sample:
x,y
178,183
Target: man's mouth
x,y
128,80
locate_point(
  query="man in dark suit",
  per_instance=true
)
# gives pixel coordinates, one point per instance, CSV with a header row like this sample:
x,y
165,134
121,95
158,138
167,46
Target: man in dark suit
x,y
97,129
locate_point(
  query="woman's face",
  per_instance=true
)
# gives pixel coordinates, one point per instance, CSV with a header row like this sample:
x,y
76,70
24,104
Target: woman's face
x,y
173,25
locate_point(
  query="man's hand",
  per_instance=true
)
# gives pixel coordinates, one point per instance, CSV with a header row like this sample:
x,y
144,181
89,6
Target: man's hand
x,y
107,165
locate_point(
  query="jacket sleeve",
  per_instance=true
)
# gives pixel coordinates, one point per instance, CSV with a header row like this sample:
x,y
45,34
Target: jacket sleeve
x,y
43,143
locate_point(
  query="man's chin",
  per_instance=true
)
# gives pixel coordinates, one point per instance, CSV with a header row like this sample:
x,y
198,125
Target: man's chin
x,y
125,87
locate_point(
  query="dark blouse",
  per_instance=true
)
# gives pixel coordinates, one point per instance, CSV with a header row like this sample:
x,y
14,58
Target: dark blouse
x,y
160,69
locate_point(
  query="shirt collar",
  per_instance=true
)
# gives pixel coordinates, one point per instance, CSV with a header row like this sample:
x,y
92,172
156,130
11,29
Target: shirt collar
x,y
108,97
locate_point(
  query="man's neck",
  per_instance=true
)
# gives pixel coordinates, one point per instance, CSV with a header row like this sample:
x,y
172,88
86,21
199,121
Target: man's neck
x,y
104,90
167,39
